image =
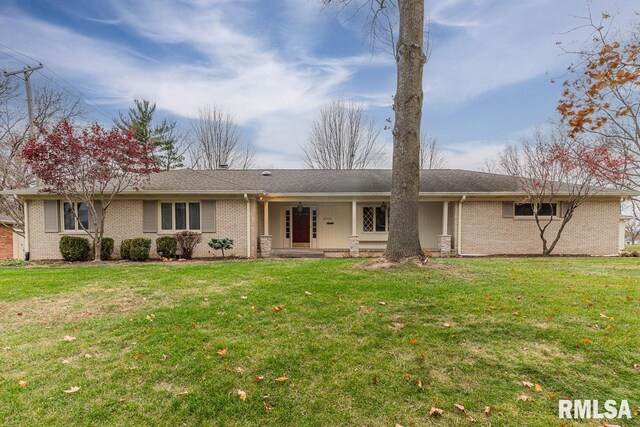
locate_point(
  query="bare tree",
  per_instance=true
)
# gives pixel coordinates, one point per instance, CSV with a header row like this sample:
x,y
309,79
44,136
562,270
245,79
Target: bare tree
x,y
215,141
400,25
632,229
431,157
557,176
49,106
343,137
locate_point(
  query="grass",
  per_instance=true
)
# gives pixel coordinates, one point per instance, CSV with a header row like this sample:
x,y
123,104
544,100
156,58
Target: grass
x,y
147,338
632,248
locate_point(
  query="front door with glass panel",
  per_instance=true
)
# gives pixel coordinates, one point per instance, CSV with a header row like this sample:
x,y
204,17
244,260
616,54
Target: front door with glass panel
x,y
301,227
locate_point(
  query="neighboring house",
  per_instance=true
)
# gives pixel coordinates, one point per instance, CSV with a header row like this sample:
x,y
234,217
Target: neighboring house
x,y
331,212
9,239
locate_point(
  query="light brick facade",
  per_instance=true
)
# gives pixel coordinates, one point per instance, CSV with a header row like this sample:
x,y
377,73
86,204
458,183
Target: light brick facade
x,y
124,221
593,230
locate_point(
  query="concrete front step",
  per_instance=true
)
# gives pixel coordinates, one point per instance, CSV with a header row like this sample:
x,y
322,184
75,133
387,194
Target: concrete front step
x,y
296,253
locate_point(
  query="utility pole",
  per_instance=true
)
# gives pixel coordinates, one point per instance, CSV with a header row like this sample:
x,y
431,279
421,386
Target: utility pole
x,y
27,74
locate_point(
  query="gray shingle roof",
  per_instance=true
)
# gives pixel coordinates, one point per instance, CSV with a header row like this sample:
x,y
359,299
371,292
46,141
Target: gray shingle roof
x,y
309,181
329,181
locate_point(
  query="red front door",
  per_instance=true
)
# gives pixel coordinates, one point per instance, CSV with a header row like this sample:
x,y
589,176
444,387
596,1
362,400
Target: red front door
x,y
301,225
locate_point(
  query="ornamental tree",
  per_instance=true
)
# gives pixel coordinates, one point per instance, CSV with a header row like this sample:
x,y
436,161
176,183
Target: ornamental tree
x,y
602,97
556,169
91,165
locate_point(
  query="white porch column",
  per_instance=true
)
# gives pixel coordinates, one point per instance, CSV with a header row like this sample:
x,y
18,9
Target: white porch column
x,y
445,217
354,242
444,239
265,239
266,218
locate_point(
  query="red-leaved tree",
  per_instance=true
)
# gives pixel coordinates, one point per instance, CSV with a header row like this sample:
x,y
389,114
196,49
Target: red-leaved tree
x,y
91,165
558,175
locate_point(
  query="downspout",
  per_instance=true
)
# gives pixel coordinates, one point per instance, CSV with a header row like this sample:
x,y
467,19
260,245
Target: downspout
x,y
248,225
464,197
27,253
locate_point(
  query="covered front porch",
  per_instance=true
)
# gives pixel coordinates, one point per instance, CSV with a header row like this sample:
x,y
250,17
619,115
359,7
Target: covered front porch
x,y
347,227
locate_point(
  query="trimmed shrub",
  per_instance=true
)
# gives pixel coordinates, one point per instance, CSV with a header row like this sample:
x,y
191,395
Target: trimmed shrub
x,y
74,248
187,242
125,249
167,246
221,244
106,250
140,249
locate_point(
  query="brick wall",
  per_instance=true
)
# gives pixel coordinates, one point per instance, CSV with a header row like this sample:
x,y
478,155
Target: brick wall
x,y
6,242
593,230
124,221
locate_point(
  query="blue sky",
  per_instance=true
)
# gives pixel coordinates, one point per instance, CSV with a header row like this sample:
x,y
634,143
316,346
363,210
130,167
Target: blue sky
x,y
274,63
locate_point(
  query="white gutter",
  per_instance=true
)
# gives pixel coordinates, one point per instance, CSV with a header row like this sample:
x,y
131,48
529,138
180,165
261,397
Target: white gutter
x,y
460,224
248,225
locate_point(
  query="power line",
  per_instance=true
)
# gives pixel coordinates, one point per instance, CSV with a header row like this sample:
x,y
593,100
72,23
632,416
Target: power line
x,y
80,95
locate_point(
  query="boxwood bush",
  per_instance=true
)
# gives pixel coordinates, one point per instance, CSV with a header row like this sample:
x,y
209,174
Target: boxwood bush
x,y
106,250
125,249
74,248
140,249
167,246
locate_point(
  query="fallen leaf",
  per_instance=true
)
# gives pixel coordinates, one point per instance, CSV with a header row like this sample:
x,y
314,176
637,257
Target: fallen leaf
x,y
277,309
164,357
516,313
398,425
374,380
258,378
553,395
382,303
406,375
182,393
73,389
459,408
487,411
420,385
267,407
629,298
604,315
68,338
537,387
222,352
527,384
524,397
586,341
435,412
239,369
413,341
281,379
138,356
206,347
243,297
22,383
307,293
609,425
608,328
636,366
242,395
447,324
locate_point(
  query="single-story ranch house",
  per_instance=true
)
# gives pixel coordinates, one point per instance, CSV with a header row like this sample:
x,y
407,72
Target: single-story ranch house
x,y
327,212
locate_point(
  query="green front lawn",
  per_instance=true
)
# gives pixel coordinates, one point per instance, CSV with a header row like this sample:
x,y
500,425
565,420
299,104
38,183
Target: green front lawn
x,y
171,344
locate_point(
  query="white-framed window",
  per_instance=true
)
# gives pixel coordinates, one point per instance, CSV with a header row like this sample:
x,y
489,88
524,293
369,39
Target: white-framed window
x,y
75,216
374,219
544,209
180,216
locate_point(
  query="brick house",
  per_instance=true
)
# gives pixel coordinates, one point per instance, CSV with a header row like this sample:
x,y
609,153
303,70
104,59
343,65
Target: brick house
x,y
327,213
6,238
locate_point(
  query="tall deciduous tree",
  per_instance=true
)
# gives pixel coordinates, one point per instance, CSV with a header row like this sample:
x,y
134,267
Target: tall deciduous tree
x,y
92,166
553,170
343,137
602,97
49,106
431,156
216,141
164,135
399,25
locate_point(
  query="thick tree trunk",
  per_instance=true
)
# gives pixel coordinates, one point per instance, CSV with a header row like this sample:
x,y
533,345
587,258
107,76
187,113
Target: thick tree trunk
x,y
404,238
